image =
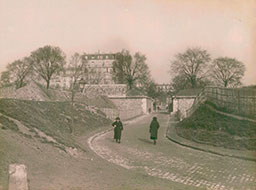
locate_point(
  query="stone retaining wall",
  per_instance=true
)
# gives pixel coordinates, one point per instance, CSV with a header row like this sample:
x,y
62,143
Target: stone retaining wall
x,y
132,106
105,89
110,113
182,104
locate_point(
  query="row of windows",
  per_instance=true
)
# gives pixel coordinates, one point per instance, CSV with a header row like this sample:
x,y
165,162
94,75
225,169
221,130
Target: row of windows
x,y
101,63
103,56
101,69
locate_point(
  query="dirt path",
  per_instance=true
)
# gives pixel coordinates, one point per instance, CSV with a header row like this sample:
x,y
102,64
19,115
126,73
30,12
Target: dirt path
x,y
171,162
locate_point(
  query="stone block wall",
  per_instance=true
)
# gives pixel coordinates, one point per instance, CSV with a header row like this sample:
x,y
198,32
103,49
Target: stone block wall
x,y
182,104
110,112
130,107
105,89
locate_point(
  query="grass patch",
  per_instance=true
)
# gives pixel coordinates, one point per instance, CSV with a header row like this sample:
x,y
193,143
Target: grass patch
x,y
4,163
208,127
53,118
8,124
230,111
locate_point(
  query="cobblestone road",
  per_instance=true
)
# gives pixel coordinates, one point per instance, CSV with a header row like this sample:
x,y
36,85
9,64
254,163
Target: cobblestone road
x,y
173,162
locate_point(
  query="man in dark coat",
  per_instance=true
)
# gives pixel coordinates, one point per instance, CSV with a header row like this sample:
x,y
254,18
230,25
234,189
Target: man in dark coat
x,y
118,127
154,126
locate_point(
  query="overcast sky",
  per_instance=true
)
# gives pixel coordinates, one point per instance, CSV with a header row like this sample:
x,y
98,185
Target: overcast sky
x,y
157,28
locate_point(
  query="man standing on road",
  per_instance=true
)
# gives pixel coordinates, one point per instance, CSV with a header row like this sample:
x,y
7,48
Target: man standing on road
x,y
154,126
118,127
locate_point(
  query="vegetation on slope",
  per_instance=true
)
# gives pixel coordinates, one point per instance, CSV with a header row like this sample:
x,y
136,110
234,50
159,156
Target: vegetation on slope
x,y
37,92
208,127
53,118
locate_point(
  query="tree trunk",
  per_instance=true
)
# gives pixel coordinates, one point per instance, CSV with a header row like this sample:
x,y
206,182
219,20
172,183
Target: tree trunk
x,y
47,84
130,84
225,84
193,81
73,93
18,84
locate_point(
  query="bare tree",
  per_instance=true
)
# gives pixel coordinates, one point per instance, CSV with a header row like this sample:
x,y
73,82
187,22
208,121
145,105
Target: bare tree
x,y
227,72
48,61
130,70
77,68
94,76
191,65
180,82
18,71
5,79
151,89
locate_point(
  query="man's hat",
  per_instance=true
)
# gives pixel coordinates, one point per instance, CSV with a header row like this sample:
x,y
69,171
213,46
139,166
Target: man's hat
x,y
118,118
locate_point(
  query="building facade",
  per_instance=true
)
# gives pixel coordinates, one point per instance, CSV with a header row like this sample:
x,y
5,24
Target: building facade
x,y
163,87
100,68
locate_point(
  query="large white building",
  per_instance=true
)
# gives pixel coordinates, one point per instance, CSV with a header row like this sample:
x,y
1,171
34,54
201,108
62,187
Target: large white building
x,y
99,71
100,67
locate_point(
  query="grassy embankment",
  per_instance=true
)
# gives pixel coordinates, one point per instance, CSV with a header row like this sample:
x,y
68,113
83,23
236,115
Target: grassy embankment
x,y
52,118
208,127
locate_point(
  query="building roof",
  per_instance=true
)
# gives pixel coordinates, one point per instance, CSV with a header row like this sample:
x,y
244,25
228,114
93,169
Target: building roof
x,y
188,92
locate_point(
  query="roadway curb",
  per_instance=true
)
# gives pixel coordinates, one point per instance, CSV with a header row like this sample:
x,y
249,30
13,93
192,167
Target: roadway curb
x,y
175,140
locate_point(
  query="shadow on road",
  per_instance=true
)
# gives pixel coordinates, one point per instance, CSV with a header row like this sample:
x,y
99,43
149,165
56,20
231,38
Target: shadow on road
x,y
145,141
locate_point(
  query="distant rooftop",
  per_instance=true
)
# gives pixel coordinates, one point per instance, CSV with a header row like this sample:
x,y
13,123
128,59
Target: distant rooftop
x,y
189,92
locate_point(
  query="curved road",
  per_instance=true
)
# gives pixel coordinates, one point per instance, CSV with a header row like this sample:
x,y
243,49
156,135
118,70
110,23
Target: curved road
x,y
167,160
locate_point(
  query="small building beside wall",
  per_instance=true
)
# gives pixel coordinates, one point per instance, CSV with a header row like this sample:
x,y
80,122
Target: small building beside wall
x,y
183,100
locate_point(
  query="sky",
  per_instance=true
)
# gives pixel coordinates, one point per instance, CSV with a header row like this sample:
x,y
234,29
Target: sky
x,y
160,29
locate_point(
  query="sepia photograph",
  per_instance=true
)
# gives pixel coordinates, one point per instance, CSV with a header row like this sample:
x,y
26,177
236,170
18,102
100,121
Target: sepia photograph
x,y
127,94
